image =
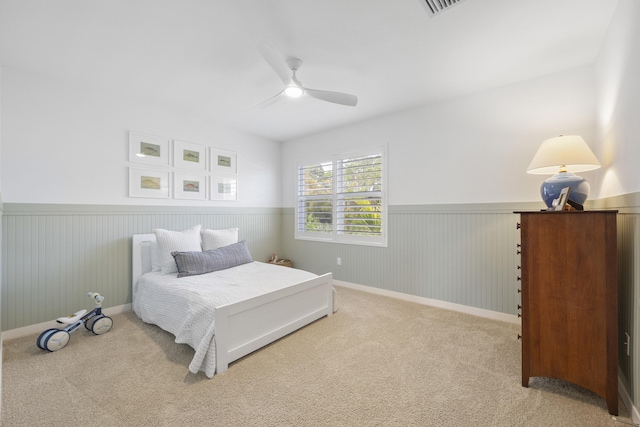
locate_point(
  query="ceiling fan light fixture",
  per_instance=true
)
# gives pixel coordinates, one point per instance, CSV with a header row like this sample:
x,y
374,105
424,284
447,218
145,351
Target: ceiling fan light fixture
x,y
293,91
286,70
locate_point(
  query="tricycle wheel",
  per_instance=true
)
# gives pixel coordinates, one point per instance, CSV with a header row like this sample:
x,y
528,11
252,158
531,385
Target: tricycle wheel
x,y
42,337
101,325
56,340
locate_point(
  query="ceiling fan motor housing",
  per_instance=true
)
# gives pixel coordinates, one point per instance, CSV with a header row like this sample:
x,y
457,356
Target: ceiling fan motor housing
x,y
294,63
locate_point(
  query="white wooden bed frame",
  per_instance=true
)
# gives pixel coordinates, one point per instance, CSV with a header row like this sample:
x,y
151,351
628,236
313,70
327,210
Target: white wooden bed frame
x,y
248,325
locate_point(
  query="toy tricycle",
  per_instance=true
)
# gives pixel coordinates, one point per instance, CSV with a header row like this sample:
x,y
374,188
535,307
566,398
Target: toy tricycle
x,y
96,322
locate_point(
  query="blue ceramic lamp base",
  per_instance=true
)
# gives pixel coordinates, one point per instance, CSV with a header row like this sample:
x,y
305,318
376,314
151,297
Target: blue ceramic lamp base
x,y
552,187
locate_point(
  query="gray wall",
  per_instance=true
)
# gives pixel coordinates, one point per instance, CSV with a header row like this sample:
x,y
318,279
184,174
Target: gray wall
x,y
629,314
1,275
464,254
628,288
52,255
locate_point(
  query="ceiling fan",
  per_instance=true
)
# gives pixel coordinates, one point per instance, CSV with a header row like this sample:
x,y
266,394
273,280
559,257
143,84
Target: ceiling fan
x,y
286,70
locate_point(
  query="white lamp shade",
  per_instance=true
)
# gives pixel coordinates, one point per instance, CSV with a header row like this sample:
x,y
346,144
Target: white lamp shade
x,y
570,151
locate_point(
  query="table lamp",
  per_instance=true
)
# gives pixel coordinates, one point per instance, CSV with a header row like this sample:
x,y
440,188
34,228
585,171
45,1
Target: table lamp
x,y
562,156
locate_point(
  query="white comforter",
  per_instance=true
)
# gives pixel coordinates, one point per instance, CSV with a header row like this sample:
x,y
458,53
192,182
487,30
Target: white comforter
x,y
185,306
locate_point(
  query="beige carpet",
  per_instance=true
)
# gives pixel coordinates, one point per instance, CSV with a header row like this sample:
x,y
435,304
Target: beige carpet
x,y
376,362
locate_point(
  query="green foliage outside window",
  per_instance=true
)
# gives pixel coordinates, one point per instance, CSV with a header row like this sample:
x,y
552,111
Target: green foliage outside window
x,y
317,186
363,217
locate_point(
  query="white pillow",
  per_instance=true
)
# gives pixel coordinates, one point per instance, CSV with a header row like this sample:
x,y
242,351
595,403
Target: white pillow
x,y
215,239
145,255
151,260
156,259
176,241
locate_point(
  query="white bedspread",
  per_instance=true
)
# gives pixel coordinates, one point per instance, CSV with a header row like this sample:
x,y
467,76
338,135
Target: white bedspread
x,y
185,306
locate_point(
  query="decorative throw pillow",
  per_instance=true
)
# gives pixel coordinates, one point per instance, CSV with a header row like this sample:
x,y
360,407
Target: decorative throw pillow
x,y
172,241
214,239
194,263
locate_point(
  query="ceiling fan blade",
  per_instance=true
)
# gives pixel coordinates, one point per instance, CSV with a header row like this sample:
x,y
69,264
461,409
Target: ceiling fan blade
x,y
277,97
335,97
276,62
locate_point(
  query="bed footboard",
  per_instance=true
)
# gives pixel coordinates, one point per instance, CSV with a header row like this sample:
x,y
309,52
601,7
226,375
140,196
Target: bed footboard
x,y
246,326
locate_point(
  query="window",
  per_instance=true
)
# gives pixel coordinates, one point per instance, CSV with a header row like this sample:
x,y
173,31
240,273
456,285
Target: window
x,y
342,199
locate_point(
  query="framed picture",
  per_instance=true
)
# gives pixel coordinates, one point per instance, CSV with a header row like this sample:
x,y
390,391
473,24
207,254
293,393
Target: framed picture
x,y
187,155
187,186
224,188
223,161
562,199
149,149
148,183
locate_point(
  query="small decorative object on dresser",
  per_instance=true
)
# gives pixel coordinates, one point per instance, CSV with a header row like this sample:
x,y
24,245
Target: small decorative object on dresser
x,y
560,203
569,278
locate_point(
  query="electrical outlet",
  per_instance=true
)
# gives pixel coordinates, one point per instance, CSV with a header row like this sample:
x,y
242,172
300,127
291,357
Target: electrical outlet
x,y
339,261
627,342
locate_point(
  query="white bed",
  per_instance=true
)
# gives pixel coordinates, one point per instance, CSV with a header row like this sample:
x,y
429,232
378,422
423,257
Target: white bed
x,y
225,322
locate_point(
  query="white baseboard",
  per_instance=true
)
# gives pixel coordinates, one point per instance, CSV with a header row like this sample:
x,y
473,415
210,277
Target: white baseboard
x,y
480,312
626,399
36,329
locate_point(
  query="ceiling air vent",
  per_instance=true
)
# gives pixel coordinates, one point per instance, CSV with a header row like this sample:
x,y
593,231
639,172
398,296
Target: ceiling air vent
x,y
435,7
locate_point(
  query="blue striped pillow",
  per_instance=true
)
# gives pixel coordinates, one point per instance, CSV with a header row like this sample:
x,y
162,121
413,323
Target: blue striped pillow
x,y
194,263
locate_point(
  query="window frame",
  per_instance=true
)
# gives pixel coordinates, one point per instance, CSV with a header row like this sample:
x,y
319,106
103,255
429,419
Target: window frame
x,y
335,236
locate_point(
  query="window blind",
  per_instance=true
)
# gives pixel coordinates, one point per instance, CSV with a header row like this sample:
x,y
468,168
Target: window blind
x,y
343,199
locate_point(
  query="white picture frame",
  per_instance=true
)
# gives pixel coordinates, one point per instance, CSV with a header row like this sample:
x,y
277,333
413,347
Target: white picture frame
x,y
187,155
148,183
224,188
562,199
223,161
189,186
149,149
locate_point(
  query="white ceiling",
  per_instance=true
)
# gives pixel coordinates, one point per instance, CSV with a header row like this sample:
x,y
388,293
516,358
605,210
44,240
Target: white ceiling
x,y
201,56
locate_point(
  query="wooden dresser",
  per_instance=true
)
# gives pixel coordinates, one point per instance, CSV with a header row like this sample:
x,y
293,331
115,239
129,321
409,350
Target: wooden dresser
x,y
569,276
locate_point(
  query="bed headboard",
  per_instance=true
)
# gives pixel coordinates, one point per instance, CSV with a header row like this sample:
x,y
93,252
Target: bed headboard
x,y
140,260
